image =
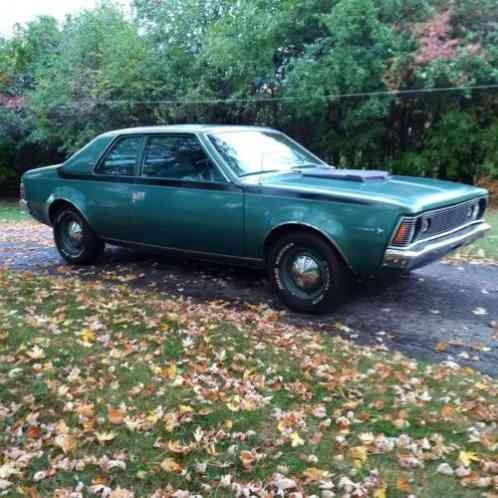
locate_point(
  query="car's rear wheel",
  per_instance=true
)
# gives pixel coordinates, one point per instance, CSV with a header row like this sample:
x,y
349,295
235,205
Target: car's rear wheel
x,y
76,241
307,273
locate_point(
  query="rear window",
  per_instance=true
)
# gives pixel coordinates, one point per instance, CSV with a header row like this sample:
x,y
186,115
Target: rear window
x,y
86,158
122,159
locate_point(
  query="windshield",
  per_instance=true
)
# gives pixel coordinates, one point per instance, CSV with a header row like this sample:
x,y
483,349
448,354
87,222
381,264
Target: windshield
x,y
255,152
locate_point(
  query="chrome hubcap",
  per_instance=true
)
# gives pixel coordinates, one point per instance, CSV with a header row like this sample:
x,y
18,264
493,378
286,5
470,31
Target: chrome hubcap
x,y
75,231
306,272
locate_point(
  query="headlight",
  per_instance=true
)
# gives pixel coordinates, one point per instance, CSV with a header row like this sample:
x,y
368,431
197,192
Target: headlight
x,y
425,225
475,211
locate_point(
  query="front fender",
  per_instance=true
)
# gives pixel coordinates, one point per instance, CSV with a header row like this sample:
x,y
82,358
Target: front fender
x,y
359,231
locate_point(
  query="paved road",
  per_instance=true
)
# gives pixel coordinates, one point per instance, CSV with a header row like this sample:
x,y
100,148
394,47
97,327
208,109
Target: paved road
x,y
448,306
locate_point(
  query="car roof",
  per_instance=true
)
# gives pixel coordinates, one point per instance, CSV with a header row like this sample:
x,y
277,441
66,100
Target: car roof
x,y
185,128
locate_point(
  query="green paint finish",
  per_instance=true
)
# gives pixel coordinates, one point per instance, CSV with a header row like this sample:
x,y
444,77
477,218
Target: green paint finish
x,y
359,232
235,217
411,194
191,219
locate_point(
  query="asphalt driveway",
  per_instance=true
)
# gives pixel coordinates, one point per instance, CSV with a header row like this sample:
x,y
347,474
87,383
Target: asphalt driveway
x,y
444,312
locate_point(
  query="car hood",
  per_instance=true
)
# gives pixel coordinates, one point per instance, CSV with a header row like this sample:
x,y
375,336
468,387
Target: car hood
x,y
412,194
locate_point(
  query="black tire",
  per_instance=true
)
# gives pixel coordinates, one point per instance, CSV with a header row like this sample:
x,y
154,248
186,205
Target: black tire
x,y
76,241
307,273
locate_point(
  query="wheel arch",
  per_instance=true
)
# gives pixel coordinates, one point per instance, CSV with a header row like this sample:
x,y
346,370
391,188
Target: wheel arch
x,y
60,203
283,229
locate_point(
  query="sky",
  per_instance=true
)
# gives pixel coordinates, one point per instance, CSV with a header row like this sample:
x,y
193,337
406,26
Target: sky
x,y
21,11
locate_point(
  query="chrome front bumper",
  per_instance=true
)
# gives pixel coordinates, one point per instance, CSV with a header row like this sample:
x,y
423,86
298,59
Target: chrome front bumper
x,y
424,252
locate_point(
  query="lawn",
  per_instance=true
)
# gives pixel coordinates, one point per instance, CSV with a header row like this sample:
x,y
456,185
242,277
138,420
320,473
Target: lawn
x,y
112,391
10,212
488,247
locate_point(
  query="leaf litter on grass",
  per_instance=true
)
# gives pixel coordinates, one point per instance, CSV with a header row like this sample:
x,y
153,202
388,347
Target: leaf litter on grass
x,y
116,392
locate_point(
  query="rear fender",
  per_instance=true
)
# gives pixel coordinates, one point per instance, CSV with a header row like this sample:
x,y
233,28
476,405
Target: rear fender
x,y
71,196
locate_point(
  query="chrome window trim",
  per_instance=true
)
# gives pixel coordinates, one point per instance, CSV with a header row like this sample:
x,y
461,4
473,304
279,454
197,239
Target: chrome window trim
x,y
202,139
147,137
110,147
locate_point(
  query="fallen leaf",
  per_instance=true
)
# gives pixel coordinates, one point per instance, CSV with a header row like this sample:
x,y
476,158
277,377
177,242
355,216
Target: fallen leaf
x,y
359,454
67,442
169,465
4,484
105,437
247,458
403,484
121,493
177,447
467,457
381,492
445,469
34,433
442,346
116,416
314,474
170,371
296,440
36,353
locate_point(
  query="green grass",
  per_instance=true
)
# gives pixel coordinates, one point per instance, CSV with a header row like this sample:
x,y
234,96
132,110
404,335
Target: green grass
x,y
488,247
10,212
175,384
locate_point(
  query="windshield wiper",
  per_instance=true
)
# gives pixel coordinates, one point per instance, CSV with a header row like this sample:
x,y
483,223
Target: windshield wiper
x,y
284,171
309,165
262,172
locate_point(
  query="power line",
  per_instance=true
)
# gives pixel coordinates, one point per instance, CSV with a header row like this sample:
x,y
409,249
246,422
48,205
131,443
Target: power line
x,y
251,100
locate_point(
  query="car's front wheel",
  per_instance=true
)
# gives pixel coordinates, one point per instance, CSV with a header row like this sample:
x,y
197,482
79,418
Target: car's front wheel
x,y
76,241
307,273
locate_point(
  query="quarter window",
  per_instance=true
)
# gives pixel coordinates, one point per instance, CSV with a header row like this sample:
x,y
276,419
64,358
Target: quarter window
x,y
122,160
179,158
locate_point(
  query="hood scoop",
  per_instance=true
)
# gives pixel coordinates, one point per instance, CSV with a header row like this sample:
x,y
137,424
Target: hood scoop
x,y
352,175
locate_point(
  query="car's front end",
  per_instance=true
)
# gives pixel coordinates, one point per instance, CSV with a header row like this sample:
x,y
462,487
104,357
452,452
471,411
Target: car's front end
x,y
424,238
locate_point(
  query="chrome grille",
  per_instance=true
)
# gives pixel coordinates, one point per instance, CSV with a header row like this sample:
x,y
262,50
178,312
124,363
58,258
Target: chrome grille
x,y
447,219
441,221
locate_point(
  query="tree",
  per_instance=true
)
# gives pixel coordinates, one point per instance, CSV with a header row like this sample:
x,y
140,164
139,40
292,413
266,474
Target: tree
x,y
292,64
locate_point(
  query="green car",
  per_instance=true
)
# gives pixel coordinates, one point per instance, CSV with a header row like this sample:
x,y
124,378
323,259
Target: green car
x,y
251,196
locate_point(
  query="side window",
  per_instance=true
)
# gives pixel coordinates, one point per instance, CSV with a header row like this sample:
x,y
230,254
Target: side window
x,y
179,158
122,159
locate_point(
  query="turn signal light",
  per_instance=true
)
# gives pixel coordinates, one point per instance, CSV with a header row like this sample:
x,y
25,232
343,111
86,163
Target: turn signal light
x,y
404,234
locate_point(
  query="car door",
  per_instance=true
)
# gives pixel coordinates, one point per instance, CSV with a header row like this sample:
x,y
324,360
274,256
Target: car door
x,y
183,201
109,193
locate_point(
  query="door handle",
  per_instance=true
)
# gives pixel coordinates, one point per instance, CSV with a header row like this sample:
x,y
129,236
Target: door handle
x,y
138,196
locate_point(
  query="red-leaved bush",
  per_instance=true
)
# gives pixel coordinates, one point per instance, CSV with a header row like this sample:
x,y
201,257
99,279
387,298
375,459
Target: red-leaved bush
x,y
435,41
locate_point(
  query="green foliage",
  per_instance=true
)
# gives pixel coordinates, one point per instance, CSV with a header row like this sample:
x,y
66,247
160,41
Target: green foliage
x,y
103,69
